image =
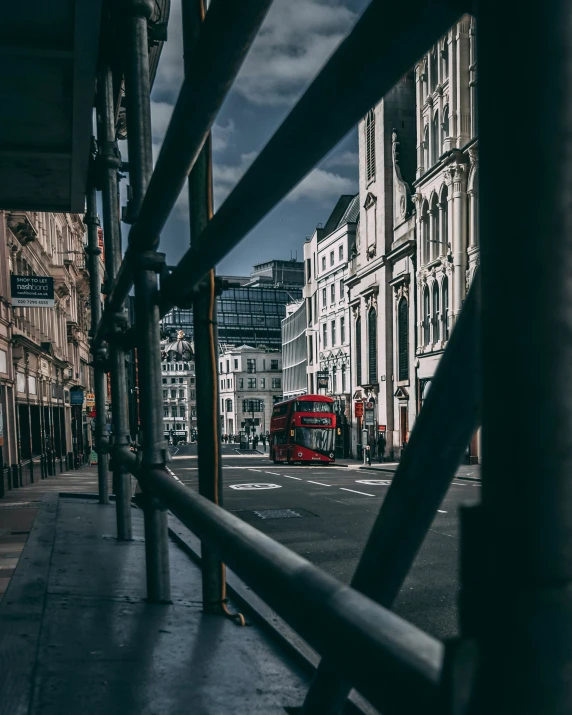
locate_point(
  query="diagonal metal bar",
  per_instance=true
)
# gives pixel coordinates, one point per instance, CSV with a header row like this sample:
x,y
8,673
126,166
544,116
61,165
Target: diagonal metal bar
x,y
221,47
400,33
448,419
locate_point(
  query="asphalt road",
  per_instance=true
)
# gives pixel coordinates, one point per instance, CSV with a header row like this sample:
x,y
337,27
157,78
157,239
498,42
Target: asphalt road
x,y
336,507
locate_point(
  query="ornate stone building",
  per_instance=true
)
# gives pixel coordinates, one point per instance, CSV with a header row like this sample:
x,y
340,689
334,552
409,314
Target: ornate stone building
x,y
445,193
44,351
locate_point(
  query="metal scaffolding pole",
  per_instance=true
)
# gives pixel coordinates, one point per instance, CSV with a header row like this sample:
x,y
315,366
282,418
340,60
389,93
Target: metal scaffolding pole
x,y
99,377
206,337
522,615
147,266
110,162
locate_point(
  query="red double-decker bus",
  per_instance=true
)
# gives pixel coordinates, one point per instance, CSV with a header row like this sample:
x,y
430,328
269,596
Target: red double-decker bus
x,y
303,430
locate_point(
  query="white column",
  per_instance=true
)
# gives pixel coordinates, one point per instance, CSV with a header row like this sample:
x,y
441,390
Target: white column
x,y
459,176
463,90
418,106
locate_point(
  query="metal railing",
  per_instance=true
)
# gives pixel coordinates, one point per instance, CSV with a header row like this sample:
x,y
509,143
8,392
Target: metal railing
x,y
493,667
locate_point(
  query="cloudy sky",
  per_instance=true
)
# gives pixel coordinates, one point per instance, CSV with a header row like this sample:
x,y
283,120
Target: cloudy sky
x,y
295,40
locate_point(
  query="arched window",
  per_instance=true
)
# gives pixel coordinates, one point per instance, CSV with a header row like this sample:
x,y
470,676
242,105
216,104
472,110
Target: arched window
x,y
358,351
444,60
436,313
425,245
370,145
444,215
445,290
433,79
434,232
403,339
435,143
372,345
426,317
426,148
445,124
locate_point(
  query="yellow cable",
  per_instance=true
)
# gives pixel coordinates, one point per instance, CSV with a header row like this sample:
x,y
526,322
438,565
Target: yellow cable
x,y
235,616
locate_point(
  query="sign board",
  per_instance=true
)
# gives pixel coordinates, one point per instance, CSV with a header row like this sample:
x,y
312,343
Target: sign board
x,y
358,409
90,398
369,417
369,405
322,380
93,458
32,291
76,397
381,428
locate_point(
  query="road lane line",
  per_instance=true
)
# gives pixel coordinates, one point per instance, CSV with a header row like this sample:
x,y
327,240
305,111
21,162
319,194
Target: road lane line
x,y
441,511
274,474
320,483
355,491
255,470
287,477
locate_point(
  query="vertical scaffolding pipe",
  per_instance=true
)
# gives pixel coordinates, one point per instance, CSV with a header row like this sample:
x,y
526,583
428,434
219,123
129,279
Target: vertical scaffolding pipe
x,y
525,617
206,336
110,162
99,378
138,106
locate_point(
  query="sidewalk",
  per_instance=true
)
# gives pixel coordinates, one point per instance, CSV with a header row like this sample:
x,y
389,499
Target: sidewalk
x,y
19,508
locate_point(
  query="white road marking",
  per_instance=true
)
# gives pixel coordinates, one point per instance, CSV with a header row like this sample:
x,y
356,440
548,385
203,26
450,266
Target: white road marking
x,y
356,492
274,474
288,477
373,482
320,483
247,487
441,511
176,451
255,470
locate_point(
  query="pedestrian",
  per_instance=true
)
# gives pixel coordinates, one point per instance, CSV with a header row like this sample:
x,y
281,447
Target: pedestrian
x,y
255,441
380,446
263,442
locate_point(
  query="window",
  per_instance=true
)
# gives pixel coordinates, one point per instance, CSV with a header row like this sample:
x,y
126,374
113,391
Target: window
x,y
324,297
311,349
342,330
425,245
181,411
436,313
165,394
222,384
173,380
324,335
342,289
251,365
341,252
181,381
372,345
173,411
251,382
193,395
228,384
445,308
173,394
358,351
308,270
434,228
32,384
334,379
274,364
343,378
228,365
240,383
164,381
445,125
181,393
236,364
221,366
252,406
276,383
433,79
333,293
192,380
323,263
331,258
444,208
403,340
263,382
333,332
426,317
426,147
165,411
435,147
229,405
370,145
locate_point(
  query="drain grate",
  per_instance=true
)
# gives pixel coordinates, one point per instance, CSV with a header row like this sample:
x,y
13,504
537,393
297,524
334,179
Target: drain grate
x,y
277,514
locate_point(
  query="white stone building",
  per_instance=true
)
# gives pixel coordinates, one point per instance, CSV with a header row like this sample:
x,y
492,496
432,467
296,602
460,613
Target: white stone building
x,y
250,384
179,390
445,193
417,248
326,257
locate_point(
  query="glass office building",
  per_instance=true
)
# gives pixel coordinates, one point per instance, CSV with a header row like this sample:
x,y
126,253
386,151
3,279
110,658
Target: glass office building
x,y
250,310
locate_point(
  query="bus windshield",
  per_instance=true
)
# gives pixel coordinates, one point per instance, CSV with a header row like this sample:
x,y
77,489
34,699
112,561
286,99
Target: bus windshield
x,y
311,406
319,440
